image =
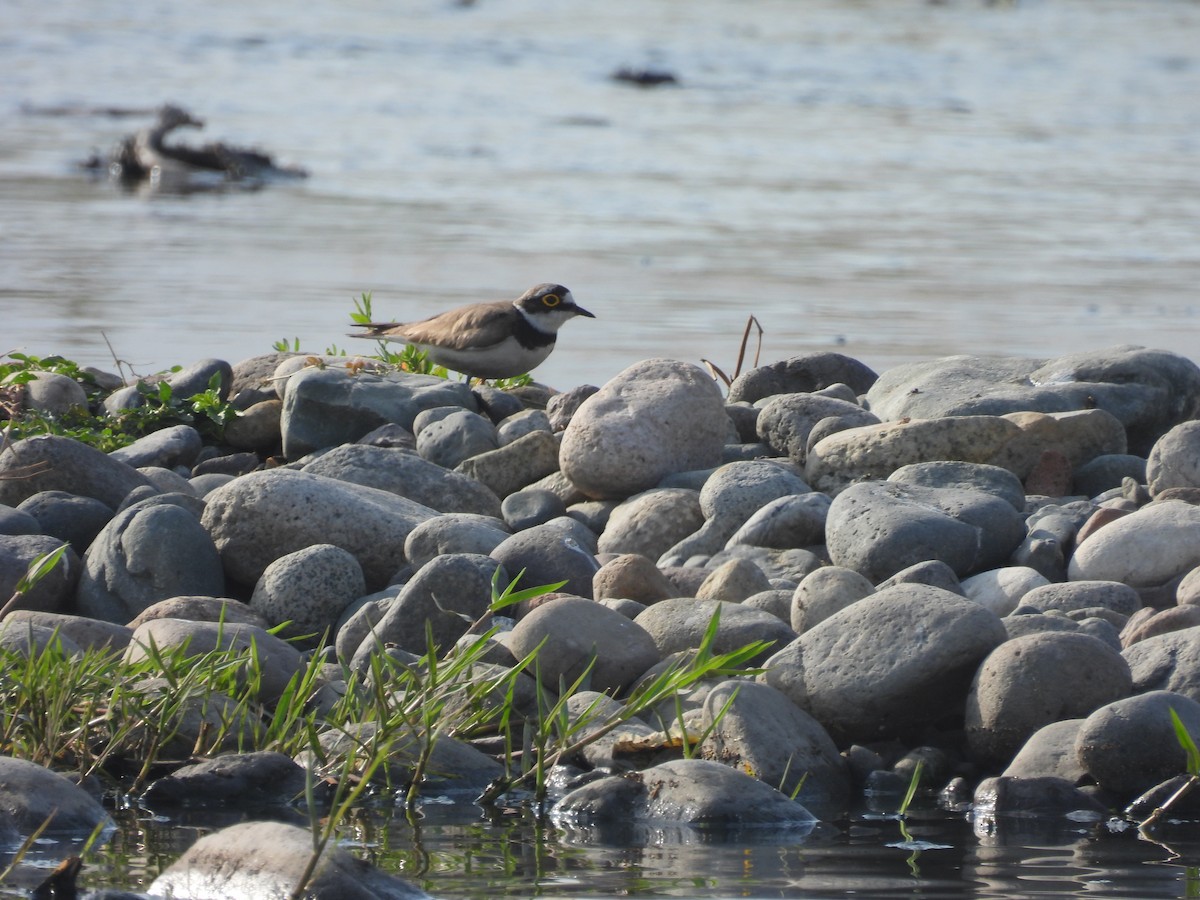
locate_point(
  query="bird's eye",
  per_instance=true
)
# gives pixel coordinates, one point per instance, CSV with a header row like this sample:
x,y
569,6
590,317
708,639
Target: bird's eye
x,y
551,300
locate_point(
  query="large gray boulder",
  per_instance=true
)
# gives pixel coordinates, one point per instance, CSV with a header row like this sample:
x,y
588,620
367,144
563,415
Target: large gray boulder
x,y
1032,681
559,550
655,418
880,528
680,624
254,860
1174,461
326,407
1167,662
892,662
569,632
1149,391
807,372
32,795
151,551
652,522
684,792
1147,548
406,474
262,516
757,729
52,463
308,588
1129,745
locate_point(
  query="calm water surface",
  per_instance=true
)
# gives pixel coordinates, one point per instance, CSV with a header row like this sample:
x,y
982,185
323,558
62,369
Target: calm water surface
x,y
891,178
897,179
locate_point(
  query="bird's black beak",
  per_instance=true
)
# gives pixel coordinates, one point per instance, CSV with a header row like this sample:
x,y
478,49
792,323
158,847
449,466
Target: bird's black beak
x,y
580,311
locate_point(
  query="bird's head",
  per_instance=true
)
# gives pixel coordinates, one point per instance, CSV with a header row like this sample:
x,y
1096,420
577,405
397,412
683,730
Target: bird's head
x,y
548,306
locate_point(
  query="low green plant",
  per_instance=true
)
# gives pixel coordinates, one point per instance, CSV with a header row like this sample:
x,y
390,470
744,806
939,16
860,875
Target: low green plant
x,y
158,407
1192,752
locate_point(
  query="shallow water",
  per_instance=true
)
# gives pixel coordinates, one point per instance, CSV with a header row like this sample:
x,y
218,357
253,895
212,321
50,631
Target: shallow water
x,y
896,180
455,850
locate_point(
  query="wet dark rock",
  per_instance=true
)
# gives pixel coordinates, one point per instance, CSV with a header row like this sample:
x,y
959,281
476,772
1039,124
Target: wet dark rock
x,y
1043,796
691,792
244,780
32,795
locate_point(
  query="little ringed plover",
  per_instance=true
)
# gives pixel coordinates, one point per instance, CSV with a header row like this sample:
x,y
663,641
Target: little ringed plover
x,y
489,340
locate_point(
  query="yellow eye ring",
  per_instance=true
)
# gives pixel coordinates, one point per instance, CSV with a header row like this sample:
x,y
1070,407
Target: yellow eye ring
x,y
551,300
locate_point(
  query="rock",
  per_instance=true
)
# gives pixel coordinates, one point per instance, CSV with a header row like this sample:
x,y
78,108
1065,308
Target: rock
x,y
1075,595
269,859
231,464
531,506
550,553
454,533
16,521
24,639
654,418
53,463
1043,796
165,481
1002,590
1107,472
730,496
1167,662
808,372
733,581
519,424
199,377
1174,460
242,780
1031,681
1050,752
56,394
681,622
776,601
55,590
178,445
1129,745
691,792
406,475
880,528
84,633
447,595
1148,391
828,590
965,475
785,421
631,576
515,465
151,551
755,728
308,588
1057,442
797,520
31,795
894,661
327,407
1176,618
277,659
932,572
571,631
456,436
200,609
1147,548
262,516
652,522
561,408
258,428
875,451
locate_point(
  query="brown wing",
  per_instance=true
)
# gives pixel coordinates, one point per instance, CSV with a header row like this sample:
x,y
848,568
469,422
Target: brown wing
x,y
474,326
